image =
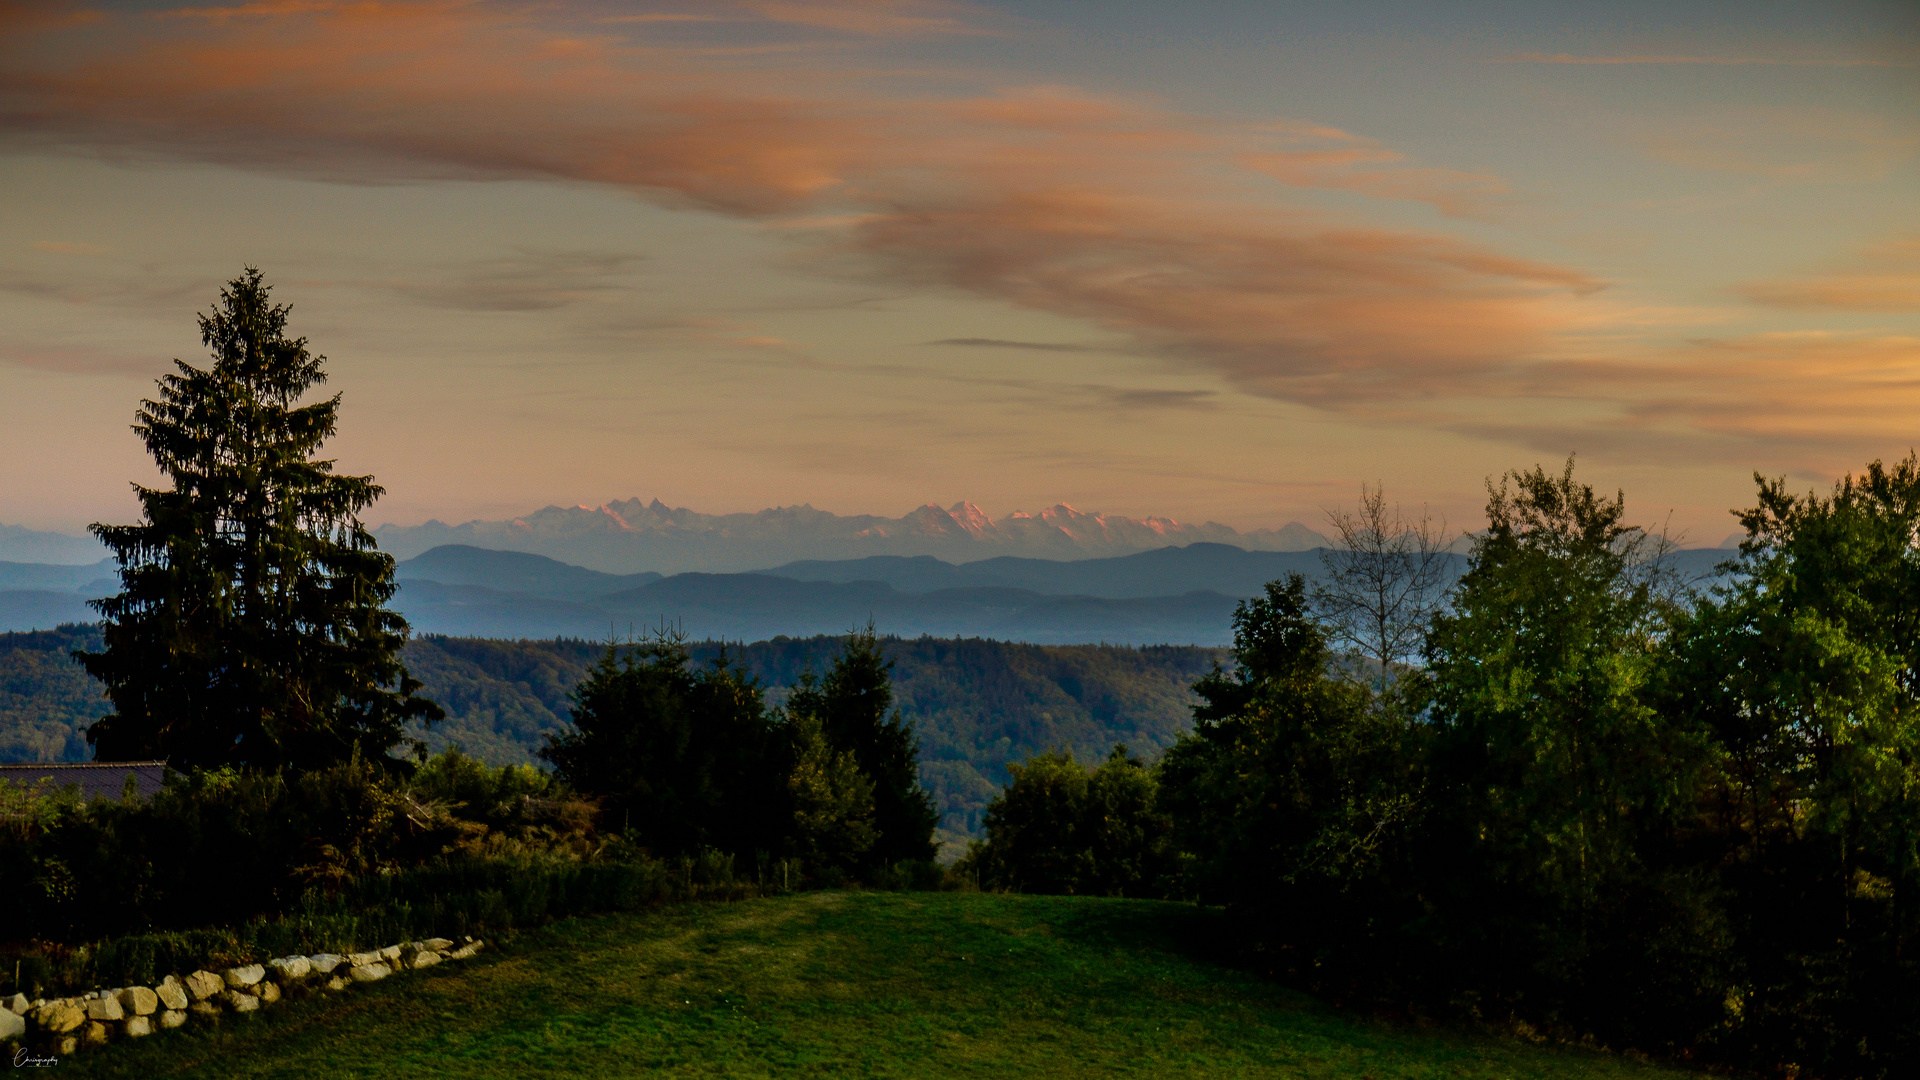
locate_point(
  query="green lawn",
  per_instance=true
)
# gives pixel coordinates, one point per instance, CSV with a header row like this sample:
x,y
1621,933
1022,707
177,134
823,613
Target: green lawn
x,y
837,985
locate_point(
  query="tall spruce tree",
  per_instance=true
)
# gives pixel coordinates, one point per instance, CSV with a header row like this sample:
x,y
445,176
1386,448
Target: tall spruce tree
x,y
854,707
250,629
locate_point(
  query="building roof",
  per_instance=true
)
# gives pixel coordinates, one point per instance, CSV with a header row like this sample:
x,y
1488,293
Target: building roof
x,y
95,779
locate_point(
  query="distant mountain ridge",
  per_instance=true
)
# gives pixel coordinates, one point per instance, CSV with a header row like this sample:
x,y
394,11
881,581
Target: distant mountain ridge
x,y
627,537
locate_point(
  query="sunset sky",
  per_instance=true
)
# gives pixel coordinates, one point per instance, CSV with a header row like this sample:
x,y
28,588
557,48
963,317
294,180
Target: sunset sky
x,y
1208,260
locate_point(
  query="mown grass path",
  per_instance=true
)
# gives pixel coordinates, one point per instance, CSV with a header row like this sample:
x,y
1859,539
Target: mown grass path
x,y
841,985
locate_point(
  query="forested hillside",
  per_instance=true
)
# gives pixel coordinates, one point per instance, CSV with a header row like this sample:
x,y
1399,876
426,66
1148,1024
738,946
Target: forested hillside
x,y
977,704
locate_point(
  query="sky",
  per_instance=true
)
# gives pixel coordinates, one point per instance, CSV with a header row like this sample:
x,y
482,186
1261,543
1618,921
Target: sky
x,y
1214,261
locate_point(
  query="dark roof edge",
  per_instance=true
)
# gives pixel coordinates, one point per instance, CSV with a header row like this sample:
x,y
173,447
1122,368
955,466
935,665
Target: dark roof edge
x,y
80,764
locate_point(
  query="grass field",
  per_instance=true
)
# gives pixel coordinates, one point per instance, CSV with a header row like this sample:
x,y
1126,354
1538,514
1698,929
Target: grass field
x,y
841,985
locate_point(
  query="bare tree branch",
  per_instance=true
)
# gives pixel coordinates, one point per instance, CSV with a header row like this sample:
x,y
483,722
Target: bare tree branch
x,y
1384,580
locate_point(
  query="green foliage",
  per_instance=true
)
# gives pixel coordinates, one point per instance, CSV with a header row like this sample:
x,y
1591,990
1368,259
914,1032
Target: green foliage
x,y
1561,791
46,699
1061,827
250,628
683,758
833,804
852,707
220,847
1806,672
1295,797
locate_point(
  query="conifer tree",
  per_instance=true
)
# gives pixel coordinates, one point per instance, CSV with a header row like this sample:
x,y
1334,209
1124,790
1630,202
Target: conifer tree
x,y
250,628
854,707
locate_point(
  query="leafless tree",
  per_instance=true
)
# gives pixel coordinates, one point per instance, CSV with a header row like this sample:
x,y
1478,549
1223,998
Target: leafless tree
x,y
1386,576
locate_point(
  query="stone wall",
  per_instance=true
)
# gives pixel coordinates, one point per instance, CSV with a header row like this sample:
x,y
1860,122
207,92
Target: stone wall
x,y
60,1027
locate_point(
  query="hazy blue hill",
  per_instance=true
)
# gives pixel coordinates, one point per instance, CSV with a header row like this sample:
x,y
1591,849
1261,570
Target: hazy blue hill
x,y
98,579
41,609
20,544
1170,571
477,611
516,571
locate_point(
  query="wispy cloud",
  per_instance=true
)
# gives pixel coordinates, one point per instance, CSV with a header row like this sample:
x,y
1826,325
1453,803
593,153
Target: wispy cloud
x,y
534,281
1801,145
1715,61
1035,346
1885,277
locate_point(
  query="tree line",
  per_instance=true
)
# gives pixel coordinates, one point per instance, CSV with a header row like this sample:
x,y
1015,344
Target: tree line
x,y
1596,800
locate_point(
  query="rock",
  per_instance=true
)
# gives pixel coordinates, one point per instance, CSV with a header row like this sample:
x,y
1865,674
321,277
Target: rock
x,y
12,1025
66,1047
94,1034
17,1004
290,968
171,994
173,1018
139,1001
203,985
436,944
362,959
240,1001
240,978
324,963
391,952
425,959
105,1010
466,950
336,983
370,972
208,1009
269,993
136,1026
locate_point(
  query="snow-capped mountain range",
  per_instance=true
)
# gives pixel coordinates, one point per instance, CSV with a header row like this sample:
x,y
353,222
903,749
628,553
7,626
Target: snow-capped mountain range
x,y
632,536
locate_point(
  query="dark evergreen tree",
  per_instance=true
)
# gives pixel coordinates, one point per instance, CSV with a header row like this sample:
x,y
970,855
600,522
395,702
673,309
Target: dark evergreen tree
x,y
853,705
683,757
251,627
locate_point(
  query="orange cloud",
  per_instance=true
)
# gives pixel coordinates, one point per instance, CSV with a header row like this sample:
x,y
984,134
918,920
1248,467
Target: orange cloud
x,y
1118,212
1885,277
1158,226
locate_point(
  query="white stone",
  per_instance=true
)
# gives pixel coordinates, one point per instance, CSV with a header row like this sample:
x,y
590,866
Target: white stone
x,y
94,1034
325,962
240,978
136,1026
370,972
391,952
425,959
241,1002
171,994
336,983
203,985
173,1018
466,950
269,992
104,1009
139,1001
437,944
289,968
12,1024
17,1005
362,959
